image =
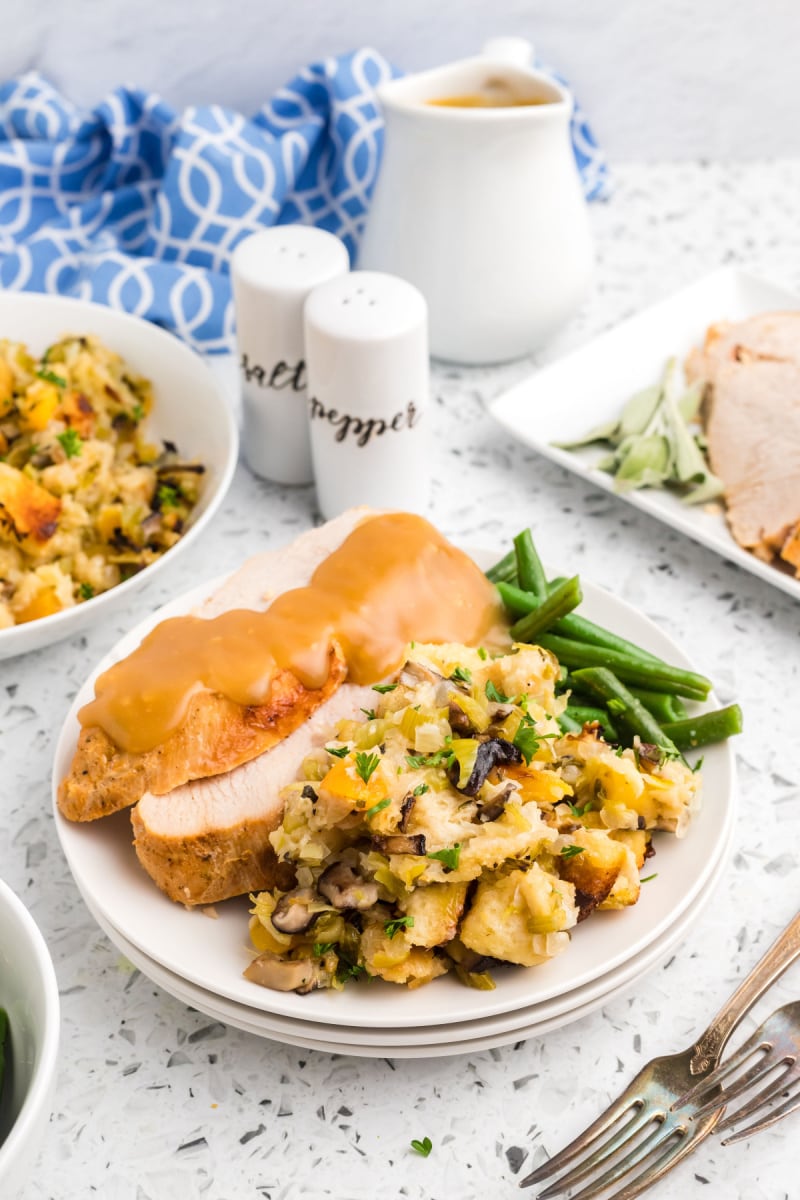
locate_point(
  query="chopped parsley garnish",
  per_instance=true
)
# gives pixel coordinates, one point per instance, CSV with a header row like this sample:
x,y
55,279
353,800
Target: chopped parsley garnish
x,y
482,653
348,970
85,591
366,765
579,812
421,789
70,442
383,688
571,851
492,693
698,765
423,1147
417,761
322,948
51,377
448,858
393,927
338,751
376,808
527,741
462,675
138,412
167,497
369,713
647,878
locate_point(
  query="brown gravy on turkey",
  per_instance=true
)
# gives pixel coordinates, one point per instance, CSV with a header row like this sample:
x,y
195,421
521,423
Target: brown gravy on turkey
x,y
393,580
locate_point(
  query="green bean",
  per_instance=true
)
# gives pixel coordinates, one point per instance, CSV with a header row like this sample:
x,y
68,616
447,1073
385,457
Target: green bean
x,y
679,712
529,566
583,713
581,630
568,724
630,670
520,602
566,596
705,728
630,711
660,704
505,569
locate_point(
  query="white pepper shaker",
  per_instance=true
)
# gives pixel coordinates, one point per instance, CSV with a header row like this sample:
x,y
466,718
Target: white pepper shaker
x,y
273,272
368,385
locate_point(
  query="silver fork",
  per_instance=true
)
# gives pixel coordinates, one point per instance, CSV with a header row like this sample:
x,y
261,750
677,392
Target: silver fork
x,y
775,1047
646,1132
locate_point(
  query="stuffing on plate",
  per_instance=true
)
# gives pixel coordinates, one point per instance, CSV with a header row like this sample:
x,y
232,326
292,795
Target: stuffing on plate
x,y
85,500
457,829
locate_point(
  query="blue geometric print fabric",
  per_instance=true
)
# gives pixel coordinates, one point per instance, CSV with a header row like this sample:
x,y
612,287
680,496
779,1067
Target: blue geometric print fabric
x,y
137,206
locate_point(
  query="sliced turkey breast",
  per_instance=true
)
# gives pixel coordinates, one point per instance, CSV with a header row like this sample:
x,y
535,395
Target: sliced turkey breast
x,y
217,734
752,423
209,840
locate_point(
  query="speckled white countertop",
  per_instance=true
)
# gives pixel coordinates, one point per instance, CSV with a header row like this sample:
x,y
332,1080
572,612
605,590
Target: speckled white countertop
x,y
156,1102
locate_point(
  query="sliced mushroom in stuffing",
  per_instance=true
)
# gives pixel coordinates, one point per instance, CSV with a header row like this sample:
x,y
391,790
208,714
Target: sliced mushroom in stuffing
x,y
344,888
293,912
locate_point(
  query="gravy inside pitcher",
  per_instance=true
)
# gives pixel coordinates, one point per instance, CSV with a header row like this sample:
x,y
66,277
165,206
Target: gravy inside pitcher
x,y
492,93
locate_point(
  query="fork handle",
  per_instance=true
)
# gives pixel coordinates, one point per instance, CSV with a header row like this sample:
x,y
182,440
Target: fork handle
x,y
780,955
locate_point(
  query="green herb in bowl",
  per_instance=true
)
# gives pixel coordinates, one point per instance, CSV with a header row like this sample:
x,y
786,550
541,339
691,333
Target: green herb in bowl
x,y
3,1037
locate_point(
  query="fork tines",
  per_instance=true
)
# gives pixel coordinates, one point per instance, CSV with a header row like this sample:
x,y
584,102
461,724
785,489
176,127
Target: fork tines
x,y
636,1152
775,1047
771,1116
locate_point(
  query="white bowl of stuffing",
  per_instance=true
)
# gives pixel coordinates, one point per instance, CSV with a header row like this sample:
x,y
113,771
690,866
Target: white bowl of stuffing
x,y
29,1033
116,449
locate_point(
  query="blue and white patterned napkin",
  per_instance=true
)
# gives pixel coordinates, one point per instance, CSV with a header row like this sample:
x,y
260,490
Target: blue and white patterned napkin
x,y
139,207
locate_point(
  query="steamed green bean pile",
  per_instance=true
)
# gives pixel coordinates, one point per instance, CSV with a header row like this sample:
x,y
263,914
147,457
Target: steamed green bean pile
x,y
625,689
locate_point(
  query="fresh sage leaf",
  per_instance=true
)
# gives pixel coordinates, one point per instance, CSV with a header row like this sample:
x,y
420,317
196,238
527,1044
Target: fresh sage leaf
x,y
645,464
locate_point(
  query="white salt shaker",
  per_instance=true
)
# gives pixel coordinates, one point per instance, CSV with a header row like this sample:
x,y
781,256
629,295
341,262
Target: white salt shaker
x,y
273,272
368,383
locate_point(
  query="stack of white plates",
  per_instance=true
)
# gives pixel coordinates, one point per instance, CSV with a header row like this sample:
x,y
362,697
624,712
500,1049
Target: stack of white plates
x,y
199,957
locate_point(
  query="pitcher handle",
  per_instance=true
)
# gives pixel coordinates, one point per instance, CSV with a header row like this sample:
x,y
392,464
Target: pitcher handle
x,y
517,51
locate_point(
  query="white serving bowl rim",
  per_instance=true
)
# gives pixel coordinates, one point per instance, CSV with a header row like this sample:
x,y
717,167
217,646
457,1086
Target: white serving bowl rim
x,y
45,630
38,1094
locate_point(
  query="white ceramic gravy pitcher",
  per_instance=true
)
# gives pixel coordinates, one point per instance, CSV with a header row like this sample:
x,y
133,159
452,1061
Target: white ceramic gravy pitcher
x,y
482,207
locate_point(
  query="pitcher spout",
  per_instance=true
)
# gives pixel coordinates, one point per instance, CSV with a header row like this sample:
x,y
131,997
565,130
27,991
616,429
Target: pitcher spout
x,y
485,88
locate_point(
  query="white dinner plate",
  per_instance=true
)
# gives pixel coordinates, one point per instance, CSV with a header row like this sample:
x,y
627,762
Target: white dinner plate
x,y
564,401
213,953
455,1038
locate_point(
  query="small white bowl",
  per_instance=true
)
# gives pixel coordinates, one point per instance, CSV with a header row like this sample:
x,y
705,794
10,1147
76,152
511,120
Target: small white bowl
x,y
29,994
188,409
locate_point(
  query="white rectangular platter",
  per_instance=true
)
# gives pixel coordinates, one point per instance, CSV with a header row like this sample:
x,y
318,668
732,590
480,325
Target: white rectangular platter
x,y
564,401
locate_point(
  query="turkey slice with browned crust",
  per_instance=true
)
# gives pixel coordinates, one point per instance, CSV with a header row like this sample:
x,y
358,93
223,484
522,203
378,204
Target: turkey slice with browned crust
x,y
217,734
